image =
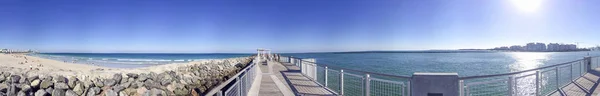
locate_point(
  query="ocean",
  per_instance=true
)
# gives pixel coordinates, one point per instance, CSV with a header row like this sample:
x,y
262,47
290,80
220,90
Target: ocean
x,y
404,63
465,63
134,60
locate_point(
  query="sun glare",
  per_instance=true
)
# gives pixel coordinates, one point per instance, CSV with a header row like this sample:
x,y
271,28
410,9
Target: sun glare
x,y
527,5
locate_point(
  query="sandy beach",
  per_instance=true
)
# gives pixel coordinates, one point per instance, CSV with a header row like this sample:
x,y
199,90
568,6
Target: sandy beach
x,y
43,66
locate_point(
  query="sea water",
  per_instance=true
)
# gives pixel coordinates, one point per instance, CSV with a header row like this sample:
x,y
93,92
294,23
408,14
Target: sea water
x,y
133,60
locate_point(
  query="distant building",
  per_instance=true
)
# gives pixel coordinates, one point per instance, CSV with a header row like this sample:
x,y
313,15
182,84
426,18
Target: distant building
x,y
553,47
516,48
535,47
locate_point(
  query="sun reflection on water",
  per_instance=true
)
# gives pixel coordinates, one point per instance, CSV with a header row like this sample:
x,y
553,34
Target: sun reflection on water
x,y
528,60
525,85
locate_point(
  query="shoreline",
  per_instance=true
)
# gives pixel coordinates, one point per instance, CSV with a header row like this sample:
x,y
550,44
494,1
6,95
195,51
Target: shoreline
x,y
33,75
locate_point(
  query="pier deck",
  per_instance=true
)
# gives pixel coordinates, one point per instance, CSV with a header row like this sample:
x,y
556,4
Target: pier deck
x,y
586,85
285,79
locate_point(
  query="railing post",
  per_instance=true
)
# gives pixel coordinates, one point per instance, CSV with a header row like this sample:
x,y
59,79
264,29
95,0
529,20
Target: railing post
x,y
341,82
587,60
239,85
571,71
557,85
510,86
325,76
461,85
537,83
367,86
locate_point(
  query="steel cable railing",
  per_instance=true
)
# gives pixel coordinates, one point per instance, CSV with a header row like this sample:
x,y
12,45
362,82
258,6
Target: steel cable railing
x,y
539,81
351,82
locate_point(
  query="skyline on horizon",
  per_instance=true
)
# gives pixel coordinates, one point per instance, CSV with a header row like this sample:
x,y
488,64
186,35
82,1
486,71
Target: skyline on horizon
x,y
241,26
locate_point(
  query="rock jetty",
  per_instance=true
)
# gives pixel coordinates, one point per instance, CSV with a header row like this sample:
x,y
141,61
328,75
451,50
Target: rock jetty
x,y
170,80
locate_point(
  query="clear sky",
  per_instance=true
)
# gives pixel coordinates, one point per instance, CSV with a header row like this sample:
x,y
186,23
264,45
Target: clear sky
x,y
209,26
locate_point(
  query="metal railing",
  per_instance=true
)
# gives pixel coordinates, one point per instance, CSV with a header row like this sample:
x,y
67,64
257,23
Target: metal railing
x,y
239,84
539,81
350,82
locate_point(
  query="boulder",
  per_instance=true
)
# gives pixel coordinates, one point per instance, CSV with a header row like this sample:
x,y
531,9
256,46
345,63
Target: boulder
x,y
181,92
157,92
61,86
35,83
25,87
118,88
15,78
12,90
3,87
141,90
132,75
142,77
71,82
41,93
49,90
98,83
129,92
109,82
31,78
71,93
46,83
60,79
58,92
111,93
2,78
78,89
117,78
21,93
94,90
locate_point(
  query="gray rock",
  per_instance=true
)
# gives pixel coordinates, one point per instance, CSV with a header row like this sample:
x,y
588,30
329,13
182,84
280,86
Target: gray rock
x,y
2,78
25,87
142,77
98,83
41,93
125,84
35,83
60,79
46,83
23,80
111,93
58,92
49,90
61,86
3,87
15,78
181,92
31,78
12,90
132,75
94,90
71,82
131,80
118,88
151,84
71,93
6,74
117,78
109,82
88,83
21,93
157,92
78,88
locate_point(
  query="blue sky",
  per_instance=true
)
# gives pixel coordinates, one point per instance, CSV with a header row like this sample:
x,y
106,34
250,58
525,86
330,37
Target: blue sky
x,y
292,25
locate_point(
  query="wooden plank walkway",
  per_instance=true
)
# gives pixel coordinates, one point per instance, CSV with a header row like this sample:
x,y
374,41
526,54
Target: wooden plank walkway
x,y
285,79
587,85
